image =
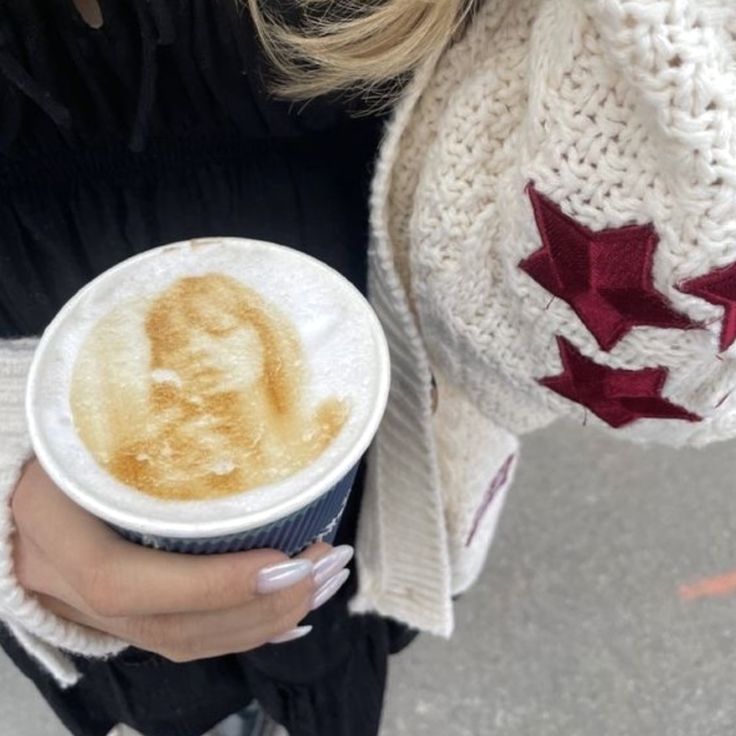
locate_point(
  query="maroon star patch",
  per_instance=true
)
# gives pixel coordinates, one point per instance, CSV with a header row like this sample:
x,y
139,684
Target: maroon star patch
x,y
618,396
606,276
718,287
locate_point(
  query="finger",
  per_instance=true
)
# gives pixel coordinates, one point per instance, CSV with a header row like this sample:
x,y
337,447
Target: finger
x,y
67,604
117,578
190,583
64,610
187,637
132,580
315,552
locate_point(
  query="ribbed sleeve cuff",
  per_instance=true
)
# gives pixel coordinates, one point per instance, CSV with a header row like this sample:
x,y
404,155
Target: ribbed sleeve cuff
x,y
46,637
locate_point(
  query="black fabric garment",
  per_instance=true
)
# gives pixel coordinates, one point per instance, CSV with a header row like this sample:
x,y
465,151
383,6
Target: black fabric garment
x,y
330,683
157,127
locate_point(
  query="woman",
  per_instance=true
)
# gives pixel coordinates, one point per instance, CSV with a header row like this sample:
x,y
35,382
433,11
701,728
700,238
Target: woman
x,y
553,235
126,125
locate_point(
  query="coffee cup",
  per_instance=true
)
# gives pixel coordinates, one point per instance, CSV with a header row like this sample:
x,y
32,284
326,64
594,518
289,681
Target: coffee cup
x,y
209,396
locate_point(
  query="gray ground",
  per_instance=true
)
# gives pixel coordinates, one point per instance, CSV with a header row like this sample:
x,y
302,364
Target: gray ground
x,y
577,627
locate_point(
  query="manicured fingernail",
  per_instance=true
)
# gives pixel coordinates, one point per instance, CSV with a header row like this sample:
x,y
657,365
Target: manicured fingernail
x,y
283,575
292,635
332,563
328,589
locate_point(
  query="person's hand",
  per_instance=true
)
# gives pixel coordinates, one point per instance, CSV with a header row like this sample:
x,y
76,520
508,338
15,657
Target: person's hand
x,y
184,607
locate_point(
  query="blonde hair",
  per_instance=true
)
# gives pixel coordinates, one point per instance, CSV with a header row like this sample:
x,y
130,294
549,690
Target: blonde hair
x,y
353,45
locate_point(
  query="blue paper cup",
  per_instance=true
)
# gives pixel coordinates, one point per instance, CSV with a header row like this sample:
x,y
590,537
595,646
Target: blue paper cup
x,y
293,512
318,521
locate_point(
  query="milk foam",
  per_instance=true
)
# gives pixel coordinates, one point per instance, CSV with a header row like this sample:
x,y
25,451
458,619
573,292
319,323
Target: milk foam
x,y
343,349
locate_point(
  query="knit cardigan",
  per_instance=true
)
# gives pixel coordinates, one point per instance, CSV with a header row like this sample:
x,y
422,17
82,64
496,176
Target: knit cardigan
x,y
553,234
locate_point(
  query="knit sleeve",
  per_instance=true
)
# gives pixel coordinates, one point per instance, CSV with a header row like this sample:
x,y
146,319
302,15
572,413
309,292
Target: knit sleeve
x,y
45,636
565,216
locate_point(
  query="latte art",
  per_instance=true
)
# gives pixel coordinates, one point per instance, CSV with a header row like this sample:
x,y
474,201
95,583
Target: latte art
x,y
204,395
199,392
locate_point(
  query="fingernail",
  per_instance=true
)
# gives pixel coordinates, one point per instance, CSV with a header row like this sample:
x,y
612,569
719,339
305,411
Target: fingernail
x,y
283,575
328,589
296,633
332,563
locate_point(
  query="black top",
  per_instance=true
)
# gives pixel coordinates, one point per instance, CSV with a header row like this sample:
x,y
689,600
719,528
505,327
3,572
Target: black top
x,y
154,128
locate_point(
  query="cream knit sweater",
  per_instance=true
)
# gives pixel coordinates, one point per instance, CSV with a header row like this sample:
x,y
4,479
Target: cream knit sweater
x,y
554,233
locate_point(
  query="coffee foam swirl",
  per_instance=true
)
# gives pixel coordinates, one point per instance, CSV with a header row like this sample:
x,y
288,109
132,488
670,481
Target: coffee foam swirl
x,y
198,392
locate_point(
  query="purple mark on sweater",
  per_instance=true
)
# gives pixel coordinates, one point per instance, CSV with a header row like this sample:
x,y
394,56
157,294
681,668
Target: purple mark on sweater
x,y
498,482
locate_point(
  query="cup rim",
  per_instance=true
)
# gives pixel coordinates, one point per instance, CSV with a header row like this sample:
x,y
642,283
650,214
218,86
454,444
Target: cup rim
x,y
234,523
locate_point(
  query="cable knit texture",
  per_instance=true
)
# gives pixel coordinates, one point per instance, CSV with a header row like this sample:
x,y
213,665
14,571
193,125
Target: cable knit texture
x,y
42,634
554,234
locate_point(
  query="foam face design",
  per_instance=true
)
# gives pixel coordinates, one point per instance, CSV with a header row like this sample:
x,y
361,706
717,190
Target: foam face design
x,y
207,387
199,392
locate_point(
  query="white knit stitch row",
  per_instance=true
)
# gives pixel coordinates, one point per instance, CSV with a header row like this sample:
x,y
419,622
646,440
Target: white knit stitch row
x,y
565,116
43,634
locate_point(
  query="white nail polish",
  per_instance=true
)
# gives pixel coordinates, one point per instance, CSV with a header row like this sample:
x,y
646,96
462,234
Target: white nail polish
x,y
329,589
283,575
332,563
291,635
